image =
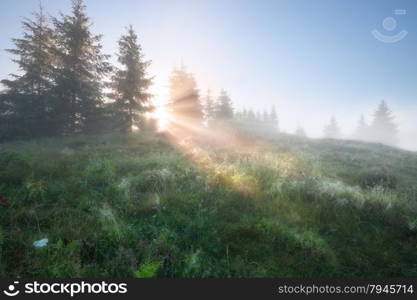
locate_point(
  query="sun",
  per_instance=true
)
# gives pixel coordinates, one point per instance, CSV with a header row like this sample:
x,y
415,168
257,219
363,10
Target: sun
x,y
162,117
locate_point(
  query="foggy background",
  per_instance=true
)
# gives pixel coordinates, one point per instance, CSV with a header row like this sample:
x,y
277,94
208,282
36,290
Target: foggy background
x,y
311,59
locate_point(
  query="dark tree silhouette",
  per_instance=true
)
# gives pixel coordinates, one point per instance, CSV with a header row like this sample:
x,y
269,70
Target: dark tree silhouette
x,y
79,72
26,105
130,83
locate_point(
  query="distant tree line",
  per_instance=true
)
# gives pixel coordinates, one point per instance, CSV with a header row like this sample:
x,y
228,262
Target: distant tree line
x,y
382,129
190,109
66,85
265,122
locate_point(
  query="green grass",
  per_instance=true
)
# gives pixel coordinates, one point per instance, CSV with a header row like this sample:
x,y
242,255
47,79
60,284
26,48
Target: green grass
x,y
140,206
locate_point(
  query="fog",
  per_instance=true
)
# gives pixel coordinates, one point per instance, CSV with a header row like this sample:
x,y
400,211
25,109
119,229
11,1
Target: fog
x,y
309,70
313,114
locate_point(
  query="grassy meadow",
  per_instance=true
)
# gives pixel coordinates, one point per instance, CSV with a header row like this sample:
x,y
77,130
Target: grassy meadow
x,y
142,205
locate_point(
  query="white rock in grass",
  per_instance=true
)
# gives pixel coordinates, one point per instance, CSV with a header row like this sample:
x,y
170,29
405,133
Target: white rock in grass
x,y
67,151
41,243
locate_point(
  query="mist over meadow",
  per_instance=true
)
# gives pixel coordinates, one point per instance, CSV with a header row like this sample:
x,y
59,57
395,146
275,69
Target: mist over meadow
x,y
207,139
332,76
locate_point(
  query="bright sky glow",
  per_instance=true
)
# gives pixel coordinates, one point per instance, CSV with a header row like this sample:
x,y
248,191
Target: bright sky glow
x,y
311,59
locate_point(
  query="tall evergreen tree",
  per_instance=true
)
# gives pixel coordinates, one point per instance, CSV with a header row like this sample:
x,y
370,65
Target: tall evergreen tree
x,y
184,98
265,117
25,105
362,130
208,107
383,129
245,114
238,115
258,117
80,70
332,130
273,119
130,83
35,59
300,132
251,115
224,107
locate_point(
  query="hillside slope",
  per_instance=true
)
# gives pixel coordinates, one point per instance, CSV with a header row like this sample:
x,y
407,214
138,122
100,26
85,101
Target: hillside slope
x,y
145,206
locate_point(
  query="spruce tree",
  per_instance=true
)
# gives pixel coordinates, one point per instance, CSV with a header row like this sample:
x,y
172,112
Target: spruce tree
x,y
185,103
244,114
130,83
251,116
383,129
265,117
300,132
26,103
224,107
209,108
258,117
265,123
362,130
332,130
238,115
80,70
273,119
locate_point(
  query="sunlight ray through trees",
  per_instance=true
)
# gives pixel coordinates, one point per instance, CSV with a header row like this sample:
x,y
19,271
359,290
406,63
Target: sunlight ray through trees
x,y
114,168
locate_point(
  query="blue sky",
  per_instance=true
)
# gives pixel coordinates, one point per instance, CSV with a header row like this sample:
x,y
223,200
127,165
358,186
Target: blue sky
x,y
311,59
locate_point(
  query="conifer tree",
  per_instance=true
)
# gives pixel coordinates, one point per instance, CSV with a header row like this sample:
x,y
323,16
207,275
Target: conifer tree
x,y
273,119
362,130
251,115
300,132
184,98
238,115
258,117
244,113
26,103
265,117
383,129
80,70
209,108
223,107
332,130
130,83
